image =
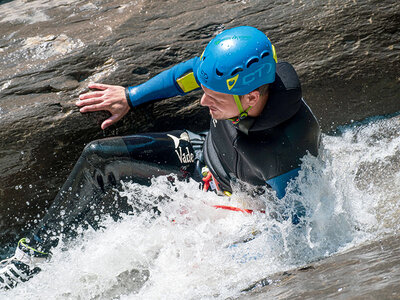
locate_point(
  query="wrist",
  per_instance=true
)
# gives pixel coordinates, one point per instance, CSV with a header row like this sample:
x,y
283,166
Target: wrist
x,y
128,97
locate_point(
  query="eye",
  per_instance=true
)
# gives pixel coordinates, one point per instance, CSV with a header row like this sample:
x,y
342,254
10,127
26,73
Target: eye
x,y
264,54
237,70
252,61
218,72
203,58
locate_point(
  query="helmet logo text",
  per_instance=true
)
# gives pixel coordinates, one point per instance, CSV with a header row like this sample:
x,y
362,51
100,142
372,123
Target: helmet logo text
x,y
249,78
204,75
232,81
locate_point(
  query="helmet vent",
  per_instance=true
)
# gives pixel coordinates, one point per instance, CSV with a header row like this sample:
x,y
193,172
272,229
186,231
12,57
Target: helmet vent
x,y
264,54
218,72
252,61
237,70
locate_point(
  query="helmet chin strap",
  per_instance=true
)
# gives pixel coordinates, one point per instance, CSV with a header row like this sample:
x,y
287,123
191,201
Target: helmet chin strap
x,y
242,113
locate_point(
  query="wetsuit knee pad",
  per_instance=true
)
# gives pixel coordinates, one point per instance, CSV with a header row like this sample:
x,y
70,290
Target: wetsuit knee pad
x,y
104,148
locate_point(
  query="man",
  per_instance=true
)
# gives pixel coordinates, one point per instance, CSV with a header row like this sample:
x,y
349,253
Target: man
x,y
260,129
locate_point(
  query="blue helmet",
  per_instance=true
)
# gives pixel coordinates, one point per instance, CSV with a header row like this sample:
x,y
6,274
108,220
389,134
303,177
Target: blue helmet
x,y
237,61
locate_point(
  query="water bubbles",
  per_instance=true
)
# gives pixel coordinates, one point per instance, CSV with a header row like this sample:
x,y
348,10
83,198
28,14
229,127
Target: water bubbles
x,y
190,250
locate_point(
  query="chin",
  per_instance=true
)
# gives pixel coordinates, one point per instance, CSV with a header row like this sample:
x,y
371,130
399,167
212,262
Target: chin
x,y
216,117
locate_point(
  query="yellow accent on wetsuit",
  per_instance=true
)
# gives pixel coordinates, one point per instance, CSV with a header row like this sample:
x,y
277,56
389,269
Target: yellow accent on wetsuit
x,y
187,83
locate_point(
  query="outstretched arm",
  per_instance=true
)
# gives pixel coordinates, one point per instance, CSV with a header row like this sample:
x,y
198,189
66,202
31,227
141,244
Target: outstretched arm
x,y
178,80
107,97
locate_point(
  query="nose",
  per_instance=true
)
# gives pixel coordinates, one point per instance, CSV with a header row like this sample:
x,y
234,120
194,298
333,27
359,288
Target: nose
x,y
205,100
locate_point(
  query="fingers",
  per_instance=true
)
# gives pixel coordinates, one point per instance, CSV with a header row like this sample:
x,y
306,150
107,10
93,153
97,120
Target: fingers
x,y
111,120
98,86
88,102
91,95
95,94
110,98
93,107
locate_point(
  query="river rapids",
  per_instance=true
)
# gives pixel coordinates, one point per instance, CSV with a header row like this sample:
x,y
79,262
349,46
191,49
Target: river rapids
x,y
192,250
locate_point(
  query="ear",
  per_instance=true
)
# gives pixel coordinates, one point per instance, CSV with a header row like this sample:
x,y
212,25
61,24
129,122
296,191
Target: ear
x,y
252,98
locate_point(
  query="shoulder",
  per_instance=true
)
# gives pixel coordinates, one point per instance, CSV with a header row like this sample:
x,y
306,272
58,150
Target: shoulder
x,y
284,98
286,77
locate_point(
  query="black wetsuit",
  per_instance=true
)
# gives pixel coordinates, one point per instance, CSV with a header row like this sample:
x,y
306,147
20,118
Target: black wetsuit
x,y
89,191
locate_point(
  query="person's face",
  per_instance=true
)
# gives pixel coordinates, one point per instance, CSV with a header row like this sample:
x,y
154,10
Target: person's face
x,y
221,106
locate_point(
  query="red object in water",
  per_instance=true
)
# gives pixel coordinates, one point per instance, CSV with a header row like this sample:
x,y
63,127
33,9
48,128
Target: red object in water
x,y
249,211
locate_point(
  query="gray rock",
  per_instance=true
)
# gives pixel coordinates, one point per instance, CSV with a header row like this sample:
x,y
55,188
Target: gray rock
x,y
346,52
364,272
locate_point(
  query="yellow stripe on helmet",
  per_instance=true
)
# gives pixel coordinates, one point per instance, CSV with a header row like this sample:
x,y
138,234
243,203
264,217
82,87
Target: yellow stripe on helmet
x,y
274,53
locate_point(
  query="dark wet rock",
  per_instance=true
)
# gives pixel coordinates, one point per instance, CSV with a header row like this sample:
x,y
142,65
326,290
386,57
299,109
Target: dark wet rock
x,y
346,52
369,271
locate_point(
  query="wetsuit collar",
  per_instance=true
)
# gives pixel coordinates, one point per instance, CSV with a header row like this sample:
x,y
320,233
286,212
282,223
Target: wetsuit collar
x,y
245,124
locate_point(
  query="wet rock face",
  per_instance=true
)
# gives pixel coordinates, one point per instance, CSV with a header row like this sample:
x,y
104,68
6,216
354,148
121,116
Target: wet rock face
x,y
346,52
366,272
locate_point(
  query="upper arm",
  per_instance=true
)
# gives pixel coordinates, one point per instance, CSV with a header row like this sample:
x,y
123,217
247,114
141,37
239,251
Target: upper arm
x,y
178,80
279,183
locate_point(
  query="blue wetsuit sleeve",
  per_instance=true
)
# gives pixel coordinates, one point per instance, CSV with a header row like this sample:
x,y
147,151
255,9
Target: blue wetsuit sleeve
x,y
164,85
279,183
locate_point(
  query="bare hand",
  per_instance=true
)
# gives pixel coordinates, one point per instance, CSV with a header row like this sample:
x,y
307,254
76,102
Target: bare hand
x,y
107,97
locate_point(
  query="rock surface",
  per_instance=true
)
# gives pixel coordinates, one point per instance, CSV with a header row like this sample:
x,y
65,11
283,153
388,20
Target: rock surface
x,y
347,54
367,272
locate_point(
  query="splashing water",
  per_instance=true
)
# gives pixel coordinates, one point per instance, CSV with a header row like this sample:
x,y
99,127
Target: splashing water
x,y
190,250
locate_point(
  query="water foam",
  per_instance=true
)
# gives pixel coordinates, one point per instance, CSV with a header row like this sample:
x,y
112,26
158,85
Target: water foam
x,y
191,250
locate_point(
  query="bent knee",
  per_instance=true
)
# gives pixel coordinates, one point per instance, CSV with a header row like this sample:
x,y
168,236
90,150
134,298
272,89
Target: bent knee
x,y
105,148
92,149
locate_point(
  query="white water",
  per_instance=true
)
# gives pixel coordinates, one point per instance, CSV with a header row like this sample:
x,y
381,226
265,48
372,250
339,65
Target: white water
x,y
350,193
